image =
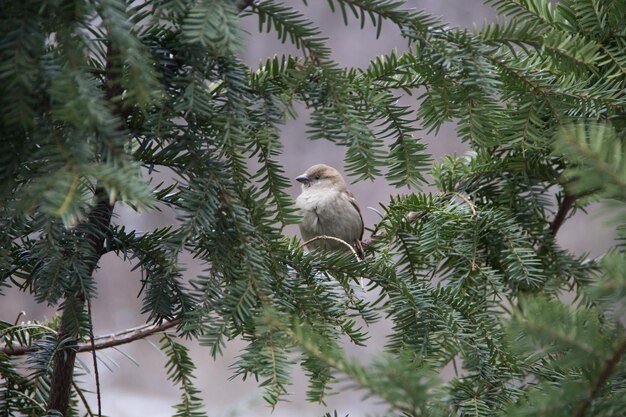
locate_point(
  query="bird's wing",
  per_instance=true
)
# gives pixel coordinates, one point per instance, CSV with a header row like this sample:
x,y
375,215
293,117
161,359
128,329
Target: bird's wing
x,y
352,201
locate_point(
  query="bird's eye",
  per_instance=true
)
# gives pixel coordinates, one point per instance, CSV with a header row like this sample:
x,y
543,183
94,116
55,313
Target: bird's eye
x,y
317,177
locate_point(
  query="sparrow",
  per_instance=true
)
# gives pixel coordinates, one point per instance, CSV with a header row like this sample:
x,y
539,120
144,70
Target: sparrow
x,y
329,209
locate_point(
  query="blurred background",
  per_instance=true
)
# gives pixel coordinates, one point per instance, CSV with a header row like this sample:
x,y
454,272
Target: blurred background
x,y
133,378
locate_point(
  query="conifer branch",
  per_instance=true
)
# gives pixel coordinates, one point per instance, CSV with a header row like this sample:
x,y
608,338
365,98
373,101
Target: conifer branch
x,y
130,87
607,371
411,217
98,221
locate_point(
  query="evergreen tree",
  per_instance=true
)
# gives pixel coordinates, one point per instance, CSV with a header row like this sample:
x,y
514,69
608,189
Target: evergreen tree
x,y
96,95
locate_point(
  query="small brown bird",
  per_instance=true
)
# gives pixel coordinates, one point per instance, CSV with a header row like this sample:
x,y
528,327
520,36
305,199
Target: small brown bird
x,y
329,209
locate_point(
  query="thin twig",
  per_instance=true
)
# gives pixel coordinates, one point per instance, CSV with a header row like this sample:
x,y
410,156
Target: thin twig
x,y
95,360
468,202
336,239
83,399
106,341
129,335
17,319
609,367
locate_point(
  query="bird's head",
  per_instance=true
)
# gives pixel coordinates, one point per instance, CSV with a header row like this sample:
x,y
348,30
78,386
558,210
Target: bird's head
x,y
322,176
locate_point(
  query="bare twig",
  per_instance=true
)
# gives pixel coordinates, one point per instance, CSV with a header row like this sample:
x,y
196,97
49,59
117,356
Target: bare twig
x,y
17,319
129,335
336,239
468,202
106,341
83,399
95,360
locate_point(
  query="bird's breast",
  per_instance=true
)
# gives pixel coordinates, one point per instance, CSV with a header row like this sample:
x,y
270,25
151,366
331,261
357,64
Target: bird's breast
x,y
328,212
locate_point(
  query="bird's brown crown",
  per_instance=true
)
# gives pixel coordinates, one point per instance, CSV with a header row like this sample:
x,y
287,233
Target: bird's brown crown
x,y
322,173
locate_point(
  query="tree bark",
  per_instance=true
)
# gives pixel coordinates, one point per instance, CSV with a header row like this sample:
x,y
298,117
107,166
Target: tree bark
x,y
63,369
62,377
564,208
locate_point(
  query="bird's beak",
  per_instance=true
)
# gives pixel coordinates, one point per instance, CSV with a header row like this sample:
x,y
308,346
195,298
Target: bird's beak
x,y
303,179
